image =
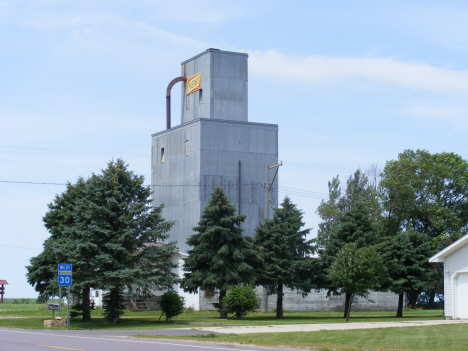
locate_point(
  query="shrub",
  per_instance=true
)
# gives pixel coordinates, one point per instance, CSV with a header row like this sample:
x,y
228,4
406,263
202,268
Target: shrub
x,y
41,299
171,304
240,300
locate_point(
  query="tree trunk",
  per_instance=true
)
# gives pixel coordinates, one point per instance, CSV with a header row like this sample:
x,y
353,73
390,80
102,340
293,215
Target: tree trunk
x,y
346,305
86,305
399,312
239,315
279,302
412,298
222,308
349,306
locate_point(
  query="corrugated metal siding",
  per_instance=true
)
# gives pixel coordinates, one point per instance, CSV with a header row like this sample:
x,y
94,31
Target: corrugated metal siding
x,y
457,261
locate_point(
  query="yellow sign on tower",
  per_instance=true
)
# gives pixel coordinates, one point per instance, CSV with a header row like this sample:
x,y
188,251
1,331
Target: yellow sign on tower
x,y
194,83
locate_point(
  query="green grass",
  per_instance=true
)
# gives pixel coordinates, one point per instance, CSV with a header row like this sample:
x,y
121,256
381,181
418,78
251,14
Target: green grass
x,y
440,338
34,314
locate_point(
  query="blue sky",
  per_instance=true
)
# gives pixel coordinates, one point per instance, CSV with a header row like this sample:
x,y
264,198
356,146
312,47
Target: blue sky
x,y
350,84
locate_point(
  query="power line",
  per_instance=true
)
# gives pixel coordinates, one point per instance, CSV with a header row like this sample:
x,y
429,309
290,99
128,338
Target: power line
x,y
89,153
34,183
281,189
20,247
92,153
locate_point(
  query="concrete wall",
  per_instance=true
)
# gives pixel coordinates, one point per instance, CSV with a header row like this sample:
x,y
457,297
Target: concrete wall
x,y
224,84
318,301
455,262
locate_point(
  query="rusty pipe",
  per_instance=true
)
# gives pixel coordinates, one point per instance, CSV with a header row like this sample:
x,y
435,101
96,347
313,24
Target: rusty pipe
x,y
168,99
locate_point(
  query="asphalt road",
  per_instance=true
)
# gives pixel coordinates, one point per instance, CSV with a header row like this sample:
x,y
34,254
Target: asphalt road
x,y
32,340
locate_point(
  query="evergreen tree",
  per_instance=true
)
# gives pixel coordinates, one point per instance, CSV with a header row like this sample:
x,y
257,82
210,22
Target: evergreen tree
x,y
221,256
61,248
358,189
117,228
285,253
406,258
106,227
354,226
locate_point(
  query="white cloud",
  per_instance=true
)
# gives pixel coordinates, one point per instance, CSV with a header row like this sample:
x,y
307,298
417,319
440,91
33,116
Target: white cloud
x,y
453,115
325,70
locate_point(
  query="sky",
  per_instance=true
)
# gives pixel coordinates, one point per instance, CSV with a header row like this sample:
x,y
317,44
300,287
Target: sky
x,y
350,84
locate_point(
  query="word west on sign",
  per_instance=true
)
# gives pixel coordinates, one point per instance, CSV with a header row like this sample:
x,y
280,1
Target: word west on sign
x,y
64,274
194,83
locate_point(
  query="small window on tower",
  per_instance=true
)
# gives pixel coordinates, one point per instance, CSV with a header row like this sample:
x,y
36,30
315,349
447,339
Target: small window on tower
x,y
162,154
97,293
187,102
208,293
186,147
200,96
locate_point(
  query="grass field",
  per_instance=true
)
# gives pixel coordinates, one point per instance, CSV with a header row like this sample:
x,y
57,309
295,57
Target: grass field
x,y
440,338
34,314
443,337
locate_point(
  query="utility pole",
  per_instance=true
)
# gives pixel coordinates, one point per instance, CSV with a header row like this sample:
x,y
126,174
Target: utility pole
x,y
267,214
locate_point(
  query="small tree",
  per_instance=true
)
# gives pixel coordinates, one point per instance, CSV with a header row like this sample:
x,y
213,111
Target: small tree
x,y
284,251
113,305
354,226
356,271
240,300
220,256
172,304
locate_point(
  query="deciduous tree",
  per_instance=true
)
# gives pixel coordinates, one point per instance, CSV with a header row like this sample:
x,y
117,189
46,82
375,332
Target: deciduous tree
x,y
356,271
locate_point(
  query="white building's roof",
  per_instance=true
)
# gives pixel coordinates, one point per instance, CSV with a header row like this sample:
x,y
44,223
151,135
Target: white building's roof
x,y
440,256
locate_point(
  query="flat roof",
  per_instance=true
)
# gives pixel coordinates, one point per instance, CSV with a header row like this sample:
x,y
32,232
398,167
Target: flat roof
x,y
214,50
211,120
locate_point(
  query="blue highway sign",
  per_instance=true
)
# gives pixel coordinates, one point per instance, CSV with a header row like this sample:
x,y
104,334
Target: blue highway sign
x,y
64,274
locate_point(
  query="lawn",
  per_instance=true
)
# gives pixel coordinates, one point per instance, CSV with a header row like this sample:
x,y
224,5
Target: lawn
x,y
440,338
34,314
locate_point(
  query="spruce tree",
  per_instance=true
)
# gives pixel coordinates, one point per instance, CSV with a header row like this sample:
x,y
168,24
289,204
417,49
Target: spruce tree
x,y
61,247
107,228
221,256
406,255
285,253
118,228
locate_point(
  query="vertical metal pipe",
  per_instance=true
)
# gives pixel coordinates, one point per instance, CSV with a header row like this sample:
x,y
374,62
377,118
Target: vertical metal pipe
x,y
60,301
239,187
168,112
267,188
68,308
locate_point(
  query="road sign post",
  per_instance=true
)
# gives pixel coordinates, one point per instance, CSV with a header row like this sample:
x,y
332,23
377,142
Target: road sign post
x,y
60,301
65,279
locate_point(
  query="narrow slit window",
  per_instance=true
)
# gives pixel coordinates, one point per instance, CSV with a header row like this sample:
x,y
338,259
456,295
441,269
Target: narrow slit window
x,y
162,154
186,147
200,96
97,293
187,103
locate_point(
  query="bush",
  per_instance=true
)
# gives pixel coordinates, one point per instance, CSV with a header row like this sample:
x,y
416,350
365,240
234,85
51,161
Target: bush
x,y
42,299
171,304
240,300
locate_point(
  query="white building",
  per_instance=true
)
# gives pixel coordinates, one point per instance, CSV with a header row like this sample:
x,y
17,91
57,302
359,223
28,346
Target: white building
x,y
455,259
